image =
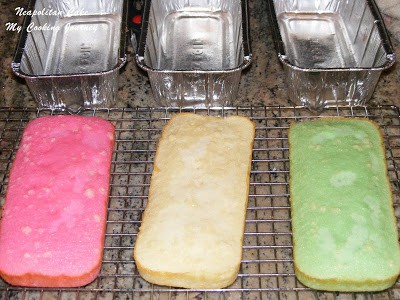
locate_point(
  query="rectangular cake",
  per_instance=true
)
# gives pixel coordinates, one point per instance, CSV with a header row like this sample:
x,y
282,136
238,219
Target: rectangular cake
x,y
345,236
53,220
192,229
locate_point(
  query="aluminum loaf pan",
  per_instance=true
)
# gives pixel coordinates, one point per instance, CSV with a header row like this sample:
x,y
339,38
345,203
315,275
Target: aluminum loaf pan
x,y
194,50
70,52
333,52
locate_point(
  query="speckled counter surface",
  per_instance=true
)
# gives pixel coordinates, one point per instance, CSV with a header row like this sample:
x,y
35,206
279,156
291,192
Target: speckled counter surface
x,y
261,84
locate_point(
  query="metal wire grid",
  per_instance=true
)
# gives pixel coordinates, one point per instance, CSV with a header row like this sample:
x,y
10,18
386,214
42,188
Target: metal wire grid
x,y
267,267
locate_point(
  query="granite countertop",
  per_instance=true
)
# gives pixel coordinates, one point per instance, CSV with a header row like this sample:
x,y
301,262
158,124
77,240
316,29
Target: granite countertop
x,y
261,84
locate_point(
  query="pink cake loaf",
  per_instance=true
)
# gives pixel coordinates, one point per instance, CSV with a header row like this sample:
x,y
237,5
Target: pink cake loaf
x,y
54,216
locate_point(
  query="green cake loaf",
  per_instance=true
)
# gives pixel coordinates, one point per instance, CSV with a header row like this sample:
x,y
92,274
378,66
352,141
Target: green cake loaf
x,y
345,236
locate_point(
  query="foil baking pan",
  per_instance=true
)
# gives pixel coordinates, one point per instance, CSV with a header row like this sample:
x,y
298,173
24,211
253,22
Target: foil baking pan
x,y
70,52
333,52
194,50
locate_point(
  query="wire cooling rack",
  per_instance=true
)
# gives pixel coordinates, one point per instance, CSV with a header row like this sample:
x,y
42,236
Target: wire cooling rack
x,y
267,268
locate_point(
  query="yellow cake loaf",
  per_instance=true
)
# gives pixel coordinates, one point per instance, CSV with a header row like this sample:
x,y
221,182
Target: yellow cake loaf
x,y
192,229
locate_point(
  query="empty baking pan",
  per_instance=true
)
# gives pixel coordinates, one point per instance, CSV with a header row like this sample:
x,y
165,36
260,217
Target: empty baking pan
x,y
194,50
332,51
70,52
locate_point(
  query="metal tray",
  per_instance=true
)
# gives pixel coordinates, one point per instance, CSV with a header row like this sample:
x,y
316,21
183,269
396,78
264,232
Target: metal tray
x,y
267,267
71,58
194,51
332,52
